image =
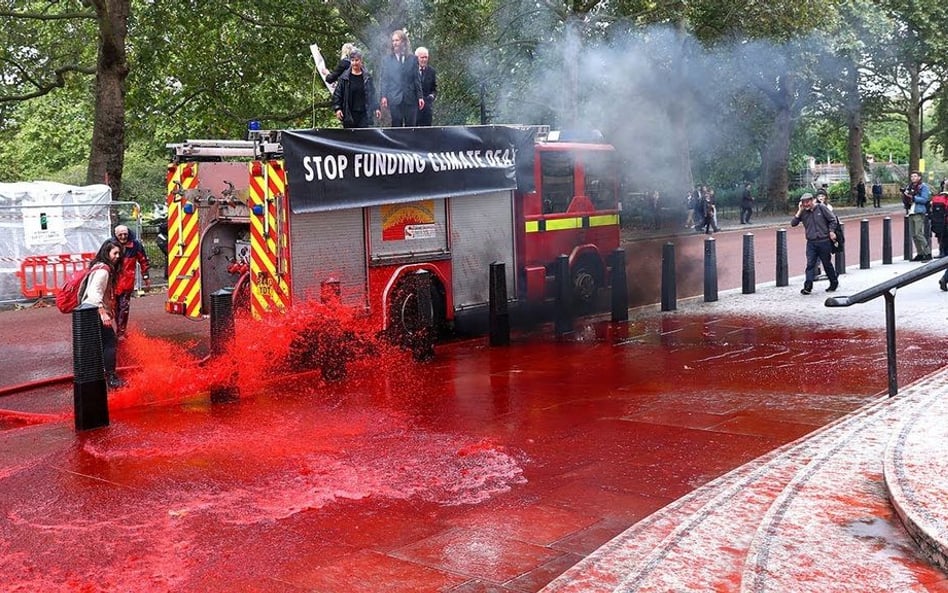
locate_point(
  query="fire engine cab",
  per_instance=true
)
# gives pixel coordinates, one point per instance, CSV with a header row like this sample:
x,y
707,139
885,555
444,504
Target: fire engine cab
x,y
361,214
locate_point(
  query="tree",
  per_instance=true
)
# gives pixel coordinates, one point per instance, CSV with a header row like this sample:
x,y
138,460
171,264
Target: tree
x,y
910,63
45,45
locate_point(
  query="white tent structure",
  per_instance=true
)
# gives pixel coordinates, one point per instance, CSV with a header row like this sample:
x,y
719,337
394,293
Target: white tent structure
x,y
44,218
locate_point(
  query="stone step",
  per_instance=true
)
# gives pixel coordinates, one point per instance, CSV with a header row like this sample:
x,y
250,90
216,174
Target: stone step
x,y
754,528
916,475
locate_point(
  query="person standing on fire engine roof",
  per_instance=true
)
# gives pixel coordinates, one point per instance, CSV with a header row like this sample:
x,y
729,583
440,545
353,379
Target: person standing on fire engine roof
x,y
401,82
133,254
354,101
99,292
429,86
342,66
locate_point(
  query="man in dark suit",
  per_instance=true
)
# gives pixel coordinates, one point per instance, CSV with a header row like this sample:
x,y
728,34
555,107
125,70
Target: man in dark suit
x,y
401,82
429,86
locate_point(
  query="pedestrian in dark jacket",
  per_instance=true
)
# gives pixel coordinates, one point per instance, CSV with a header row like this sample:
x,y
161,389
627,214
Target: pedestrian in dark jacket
x,y
354,101
820,226
747,204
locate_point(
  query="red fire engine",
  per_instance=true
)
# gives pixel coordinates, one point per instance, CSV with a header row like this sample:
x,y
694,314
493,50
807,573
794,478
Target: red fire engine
x,y
290,214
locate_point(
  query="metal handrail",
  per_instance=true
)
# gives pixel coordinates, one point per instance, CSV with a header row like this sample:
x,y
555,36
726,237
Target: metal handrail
x,y
888,289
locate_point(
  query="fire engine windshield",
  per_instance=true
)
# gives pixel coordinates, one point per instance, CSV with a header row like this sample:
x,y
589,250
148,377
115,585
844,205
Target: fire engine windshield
x,y
560,171
557,174
600,179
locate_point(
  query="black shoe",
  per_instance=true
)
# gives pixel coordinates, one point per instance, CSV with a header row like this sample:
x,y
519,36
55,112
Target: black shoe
x,y
926,257
917,257
832,287
806,290
943,285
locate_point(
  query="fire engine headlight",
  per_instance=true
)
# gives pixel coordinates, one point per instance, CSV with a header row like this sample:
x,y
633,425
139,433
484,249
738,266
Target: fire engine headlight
x,y
258,209
189,208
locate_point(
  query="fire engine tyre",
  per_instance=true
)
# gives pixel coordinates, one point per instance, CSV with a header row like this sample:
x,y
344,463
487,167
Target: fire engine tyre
x,y
586,279
405,319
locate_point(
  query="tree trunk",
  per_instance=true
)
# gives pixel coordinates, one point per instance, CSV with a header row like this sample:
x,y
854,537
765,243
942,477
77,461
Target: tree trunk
x,y
913,115
107,154
857,171
777,151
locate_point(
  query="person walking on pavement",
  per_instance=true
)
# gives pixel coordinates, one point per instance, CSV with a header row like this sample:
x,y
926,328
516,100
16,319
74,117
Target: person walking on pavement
x,y
917,197
877,195
100,292
133,255
820,227
747,204
708,214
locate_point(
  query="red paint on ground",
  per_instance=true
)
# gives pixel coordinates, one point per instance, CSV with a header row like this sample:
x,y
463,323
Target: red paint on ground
x,y
406,476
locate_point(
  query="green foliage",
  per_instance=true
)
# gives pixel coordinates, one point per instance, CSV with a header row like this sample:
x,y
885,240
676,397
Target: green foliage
x,y
686,91
841,193
48,134
889,148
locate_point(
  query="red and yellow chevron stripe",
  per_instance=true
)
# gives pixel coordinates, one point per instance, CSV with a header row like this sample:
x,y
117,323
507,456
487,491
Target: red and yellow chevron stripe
x,y
184,272
269,239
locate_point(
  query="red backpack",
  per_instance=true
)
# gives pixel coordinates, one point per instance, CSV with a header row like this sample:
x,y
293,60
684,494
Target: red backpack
x,y
938,211
68,297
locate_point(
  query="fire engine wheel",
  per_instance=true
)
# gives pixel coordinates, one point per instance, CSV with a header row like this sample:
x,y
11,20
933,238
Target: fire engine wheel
x,y
585,283
406,318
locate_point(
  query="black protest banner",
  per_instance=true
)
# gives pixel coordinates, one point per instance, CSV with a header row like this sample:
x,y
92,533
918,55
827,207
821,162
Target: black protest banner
x,y
331,169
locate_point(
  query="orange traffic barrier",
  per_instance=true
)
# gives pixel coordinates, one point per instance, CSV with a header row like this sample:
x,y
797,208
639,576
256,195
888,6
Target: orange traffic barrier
x,y
44,275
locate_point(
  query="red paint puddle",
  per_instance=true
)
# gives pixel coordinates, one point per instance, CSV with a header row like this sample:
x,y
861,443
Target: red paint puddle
x,y
179,493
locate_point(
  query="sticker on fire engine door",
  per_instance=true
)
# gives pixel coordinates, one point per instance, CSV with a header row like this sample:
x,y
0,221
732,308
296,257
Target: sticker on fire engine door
x,y
420,231
405,222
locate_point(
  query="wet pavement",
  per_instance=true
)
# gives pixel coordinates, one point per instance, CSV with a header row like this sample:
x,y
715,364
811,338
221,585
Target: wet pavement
x,y
483,470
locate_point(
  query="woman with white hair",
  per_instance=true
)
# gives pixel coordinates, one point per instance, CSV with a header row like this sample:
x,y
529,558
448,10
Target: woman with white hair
x,y
343,64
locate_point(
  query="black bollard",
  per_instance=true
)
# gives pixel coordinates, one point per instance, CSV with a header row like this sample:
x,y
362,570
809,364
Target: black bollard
x,y
839,261
748,273
886,240
783,268
222,334
563,314
864,244
498,318
906,239
669,290
422,339
710,271
89,393
620,287
222,320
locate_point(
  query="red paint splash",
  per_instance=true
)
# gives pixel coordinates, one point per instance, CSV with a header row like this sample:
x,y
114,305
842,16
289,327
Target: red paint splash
x,y
309,345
